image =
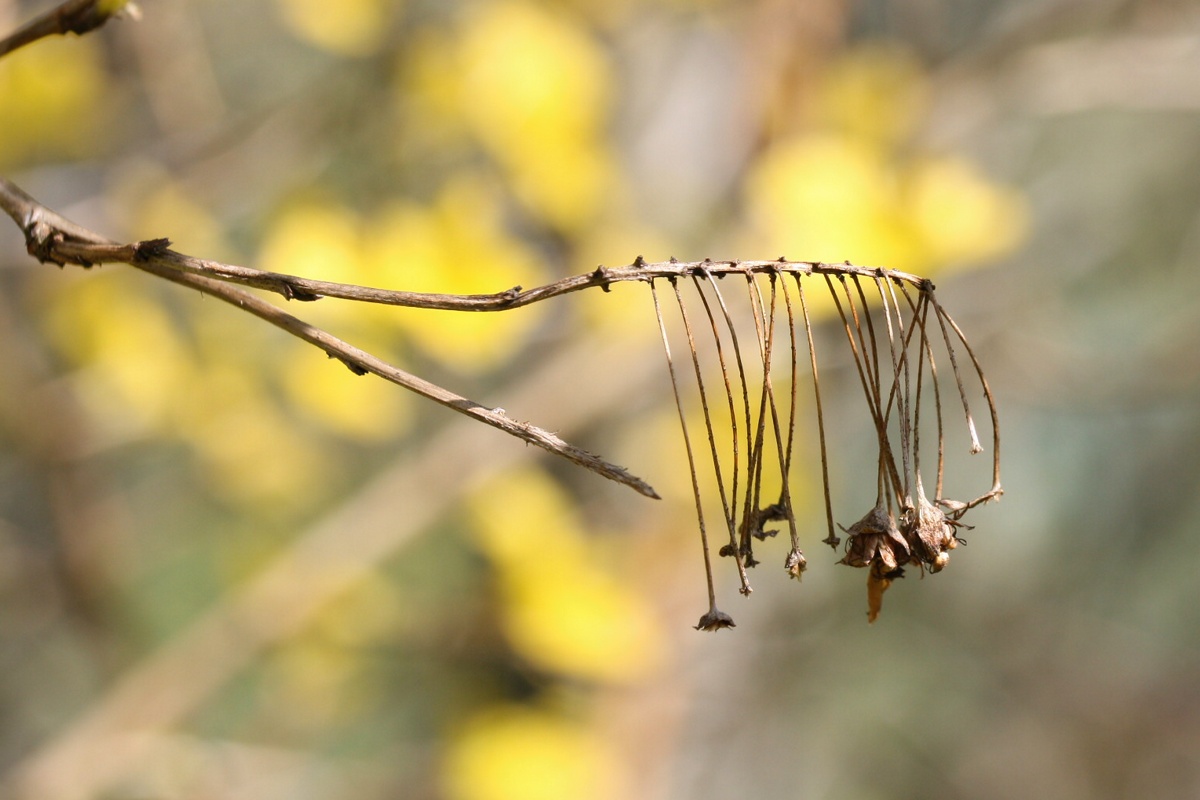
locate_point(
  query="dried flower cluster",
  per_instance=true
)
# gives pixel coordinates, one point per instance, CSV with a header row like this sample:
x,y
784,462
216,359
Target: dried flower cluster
x,y
894,355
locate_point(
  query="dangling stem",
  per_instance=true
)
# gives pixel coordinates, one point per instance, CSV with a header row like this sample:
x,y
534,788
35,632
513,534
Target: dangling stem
x,y
728,503
687,326
833,540
943,319
874,403
687,443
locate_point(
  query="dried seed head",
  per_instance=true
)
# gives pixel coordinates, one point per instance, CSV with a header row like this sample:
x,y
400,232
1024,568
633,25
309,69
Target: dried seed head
x,y
714,620
795,564
875,539
930,534
894,354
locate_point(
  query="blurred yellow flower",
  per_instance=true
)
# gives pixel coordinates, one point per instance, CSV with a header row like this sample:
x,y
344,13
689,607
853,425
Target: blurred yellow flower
x,y
311,685
254,455
848,190
316,240
960,215
535,91
361,407
829,198
371,610
345,27
562,610
111,6
875,93
52,101
457,246
514,753
135,363
151,203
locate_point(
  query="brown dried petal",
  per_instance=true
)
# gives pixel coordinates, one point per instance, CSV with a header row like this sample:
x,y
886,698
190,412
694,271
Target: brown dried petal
x,y
875,537
860,550
878,581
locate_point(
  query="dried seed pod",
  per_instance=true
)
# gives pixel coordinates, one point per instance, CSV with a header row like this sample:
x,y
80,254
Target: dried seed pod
x,y
930,534
714,620
795,564
875,538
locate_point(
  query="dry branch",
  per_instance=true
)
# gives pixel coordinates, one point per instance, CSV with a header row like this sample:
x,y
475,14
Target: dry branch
x,y
900,530
52,238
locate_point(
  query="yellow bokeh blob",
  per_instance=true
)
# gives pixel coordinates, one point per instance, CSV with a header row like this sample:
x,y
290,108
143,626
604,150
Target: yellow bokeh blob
x,y
535,91
849,190
363,407
456,246
311,685
515,753
152,203
345,27
315,240
960,215
370,611
135,364
52,101
253,454
109,7
562,609
828,198
875,93
322,240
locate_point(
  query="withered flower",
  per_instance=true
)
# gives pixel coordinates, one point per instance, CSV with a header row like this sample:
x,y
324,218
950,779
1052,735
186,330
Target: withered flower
x,y
714,620
747,372
876,542
930,534
795,564
875,538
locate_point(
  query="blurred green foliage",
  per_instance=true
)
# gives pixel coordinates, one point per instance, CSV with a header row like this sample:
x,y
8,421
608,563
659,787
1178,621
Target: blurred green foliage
x,y
173,474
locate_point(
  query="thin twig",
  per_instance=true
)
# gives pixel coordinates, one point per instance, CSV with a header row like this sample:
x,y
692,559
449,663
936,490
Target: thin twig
x,y
736,546
81,247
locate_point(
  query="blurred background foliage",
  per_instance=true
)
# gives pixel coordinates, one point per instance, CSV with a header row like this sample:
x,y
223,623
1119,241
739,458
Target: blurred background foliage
x,y
229,568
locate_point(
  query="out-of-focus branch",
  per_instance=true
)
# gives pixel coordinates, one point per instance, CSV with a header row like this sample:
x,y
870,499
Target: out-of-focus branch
x,y
51,237
73,16
115,733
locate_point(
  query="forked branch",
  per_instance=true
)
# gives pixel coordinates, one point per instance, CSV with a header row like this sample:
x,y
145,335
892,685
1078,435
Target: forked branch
x,y
51,238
